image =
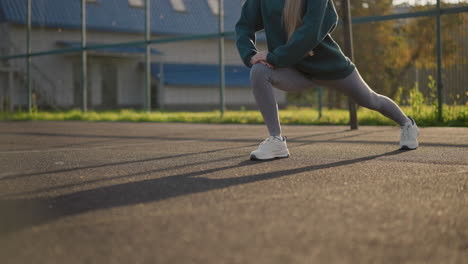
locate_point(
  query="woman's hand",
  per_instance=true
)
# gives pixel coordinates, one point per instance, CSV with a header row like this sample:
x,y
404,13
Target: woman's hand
x,y
261,57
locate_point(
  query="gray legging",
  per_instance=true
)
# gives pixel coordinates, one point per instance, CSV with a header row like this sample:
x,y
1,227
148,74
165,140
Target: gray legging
x,y
263,79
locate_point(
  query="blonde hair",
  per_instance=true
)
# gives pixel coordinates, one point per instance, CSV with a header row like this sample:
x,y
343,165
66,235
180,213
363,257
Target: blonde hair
x,y
292,17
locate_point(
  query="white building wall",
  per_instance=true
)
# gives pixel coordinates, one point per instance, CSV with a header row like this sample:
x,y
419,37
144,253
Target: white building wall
x,y
95,81
131,86
56,68
130,89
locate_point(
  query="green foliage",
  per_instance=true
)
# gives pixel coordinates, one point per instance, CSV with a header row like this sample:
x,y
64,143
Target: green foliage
x,y
416,99
455,115
34,108
398,96
432,90
423,109
433,95
426,109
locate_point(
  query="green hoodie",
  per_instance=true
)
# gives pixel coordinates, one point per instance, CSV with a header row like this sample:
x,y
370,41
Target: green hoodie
x,y
319,20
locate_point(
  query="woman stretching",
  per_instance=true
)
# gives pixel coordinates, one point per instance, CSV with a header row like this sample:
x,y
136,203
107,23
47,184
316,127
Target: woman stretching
x,y
301,54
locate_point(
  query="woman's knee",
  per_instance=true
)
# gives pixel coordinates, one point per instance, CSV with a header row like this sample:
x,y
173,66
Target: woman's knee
x,y
259,72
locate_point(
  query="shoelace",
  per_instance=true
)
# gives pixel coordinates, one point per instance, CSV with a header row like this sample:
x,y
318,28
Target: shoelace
x,y
265,141
268,140
405,132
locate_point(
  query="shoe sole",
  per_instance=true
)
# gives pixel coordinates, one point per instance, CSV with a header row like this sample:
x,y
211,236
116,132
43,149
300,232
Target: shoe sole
x,y
253,157
407,148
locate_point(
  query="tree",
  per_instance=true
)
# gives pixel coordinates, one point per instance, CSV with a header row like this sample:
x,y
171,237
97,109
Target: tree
x,y
386,51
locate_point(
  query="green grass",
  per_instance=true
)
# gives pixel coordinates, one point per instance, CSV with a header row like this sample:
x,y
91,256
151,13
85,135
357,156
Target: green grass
x,y
453,116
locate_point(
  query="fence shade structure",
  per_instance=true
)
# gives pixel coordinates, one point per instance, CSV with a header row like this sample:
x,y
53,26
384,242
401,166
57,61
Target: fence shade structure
x,y
222,105
439,63
147,57
436,12
348,40
28,55
84,59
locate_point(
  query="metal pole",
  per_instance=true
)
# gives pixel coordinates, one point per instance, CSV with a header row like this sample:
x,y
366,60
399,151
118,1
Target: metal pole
x,y
439,64
319,95
28,58
348,39
161,84
147,57
11,97
84,59
222,106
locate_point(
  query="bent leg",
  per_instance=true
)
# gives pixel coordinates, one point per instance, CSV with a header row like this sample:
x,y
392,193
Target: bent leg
x,y
356,88
262,81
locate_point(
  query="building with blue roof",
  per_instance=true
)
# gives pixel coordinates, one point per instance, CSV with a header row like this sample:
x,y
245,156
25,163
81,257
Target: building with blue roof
x,y
116,75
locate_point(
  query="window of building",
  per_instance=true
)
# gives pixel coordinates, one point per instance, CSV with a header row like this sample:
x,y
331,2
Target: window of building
x,y
178,5
136,3
214,6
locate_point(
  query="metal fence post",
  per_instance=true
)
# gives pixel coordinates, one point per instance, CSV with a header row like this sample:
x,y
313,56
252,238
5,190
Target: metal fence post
x,y
348,39
147,57
161,84
11,98
319,99
84,59
221,57
28,58
439,64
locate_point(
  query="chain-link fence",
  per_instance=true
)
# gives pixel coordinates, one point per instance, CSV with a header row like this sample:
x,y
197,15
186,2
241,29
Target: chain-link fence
x,y
192,63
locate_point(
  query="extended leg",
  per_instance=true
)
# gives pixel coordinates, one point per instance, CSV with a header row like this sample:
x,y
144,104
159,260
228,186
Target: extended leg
x,y
356,88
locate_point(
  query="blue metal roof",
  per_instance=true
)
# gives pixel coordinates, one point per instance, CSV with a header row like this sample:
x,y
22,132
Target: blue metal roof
x,y
202,75
118,16
126,50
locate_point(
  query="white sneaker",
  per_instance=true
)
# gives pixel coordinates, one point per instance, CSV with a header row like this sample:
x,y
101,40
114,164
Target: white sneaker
x,y
273,147
409,135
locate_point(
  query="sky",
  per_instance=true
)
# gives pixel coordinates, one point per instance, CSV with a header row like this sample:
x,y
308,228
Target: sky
x,y
396,2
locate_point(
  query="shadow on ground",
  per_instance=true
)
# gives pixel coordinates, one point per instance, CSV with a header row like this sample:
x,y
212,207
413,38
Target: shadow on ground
x,y
23,213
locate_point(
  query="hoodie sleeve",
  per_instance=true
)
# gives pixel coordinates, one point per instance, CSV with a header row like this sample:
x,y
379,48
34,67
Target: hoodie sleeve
x,y
249,23
305,38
